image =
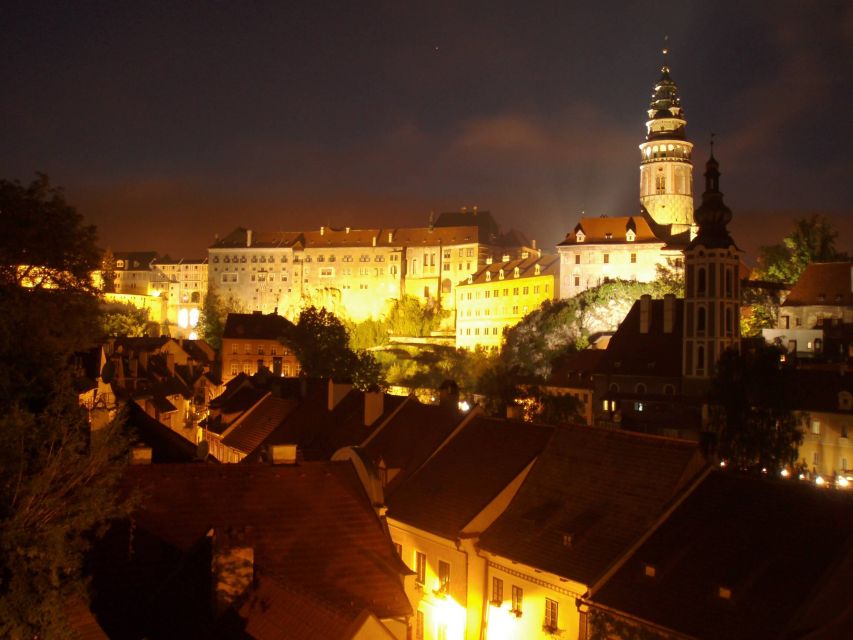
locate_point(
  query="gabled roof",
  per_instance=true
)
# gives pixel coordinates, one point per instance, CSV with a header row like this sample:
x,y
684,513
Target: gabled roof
x,y
320,432
166,445
256,326
135,260
466,474
783,549
278,611
654,353
592,493
481,219
548,265
819,390
411,436
311,524
606,230
827,283
252,428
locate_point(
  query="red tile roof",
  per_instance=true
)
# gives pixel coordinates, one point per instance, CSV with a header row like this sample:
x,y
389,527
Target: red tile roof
x,y
411,436
591,495
828,283
575,370
783,549
607,230
247,433
548,265
256,326
467,474
311,524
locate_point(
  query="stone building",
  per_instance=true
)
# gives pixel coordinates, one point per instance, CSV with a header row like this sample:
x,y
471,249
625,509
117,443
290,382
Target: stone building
x,y
252,341
354,272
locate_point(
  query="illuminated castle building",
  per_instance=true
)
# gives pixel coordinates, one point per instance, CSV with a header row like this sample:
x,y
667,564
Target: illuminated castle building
x,y
355,272
606,248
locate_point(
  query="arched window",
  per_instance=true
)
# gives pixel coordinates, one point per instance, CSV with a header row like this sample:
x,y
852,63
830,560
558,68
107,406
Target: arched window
x,y
700,319
614,388
195,297
729,322
700,358
640,389
700,280
728,282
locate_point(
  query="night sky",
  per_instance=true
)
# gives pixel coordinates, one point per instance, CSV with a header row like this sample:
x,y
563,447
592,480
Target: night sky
x,y
167,123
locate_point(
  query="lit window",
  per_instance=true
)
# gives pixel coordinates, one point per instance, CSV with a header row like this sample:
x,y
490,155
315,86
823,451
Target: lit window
x,y
816,427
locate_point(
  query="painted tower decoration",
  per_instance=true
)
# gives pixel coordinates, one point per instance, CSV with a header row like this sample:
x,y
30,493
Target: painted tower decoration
x,y
712,285
666,172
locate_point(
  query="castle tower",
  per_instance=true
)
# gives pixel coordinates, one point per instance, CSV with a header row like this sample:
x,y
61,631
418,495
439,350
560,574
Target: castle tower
x,y
666,172
711,286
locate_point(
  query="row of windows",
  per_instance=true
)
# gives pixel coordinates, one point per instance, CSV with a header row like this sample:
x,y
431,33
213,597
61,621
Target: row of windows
x,y
486,331
605,258
496,293
253,367
552,607
258,349
306,258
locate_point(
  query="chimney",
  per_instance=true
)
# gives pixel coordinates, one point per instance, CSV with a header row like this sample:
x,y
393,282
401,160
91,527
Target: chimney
x,y
337,391
170,363
533,242
390,237
668,312
374,241
374,406
248,237
645,312
322,231
284,453
140,455
233,566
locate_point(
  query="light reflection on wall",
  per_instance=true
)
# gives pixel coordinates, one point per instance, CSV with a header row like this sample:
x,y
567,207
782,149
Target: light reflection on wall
x,y
503,624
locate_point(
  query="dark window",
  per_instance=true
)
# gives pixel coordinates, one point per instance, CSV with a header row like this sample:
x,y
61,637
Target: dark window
x,y
497,591
700,285
633,258
517,598
551,613
443,576
420,568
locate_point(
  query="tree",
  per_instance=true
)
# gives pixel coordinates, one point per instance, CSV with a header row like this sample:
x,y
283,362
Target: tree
x,y
321,342
214,313
57,479
127,320
108,272
812,240
753,424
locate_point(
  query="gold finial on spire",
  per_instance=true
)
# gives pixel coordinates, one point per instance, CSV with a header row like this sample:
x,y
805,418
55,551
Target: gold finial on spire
x,y
665,49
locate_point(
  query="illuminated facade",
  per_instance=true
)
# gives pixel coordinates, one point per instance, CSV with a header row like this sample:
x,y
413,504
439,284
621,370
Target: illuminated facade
x,y
352,272
606,248
252,341
183,284
499,295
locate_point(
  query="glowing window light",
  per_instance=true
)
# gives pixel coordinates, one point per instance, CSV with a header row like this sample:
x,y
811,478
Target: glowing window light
x,y
785,473
183,318
193,317
843,482
819,481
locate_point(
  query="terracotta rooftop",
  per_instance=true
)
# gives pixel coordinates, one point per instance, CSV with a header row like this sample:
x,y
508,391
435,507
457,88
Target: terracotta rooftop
x,y
827,283
311,524
783,550
606,230
251,429
576,369
548,265
467,474
411,436
592,493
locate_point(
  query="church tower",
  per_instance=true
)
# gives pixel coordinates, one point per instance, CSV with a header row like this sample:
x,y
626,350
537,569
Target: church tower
x,y
666,172
711,286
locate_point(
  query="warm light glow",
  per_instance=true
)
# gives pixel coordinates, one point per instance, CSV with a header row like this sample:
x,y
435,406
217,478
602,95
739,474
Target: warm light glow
x,y
843,482
451,614
183,318
464,406
785,473
723,463
156,293
819,481
193,317
503,623
193,335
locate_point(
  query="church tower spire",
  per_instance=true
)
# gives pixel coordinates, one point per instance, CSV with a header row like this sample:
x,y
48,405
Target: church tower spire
x,y
666,172
712,285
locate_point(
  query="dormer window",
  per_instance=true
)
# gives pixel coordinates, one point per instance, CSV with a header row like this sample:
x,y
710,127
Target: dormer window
x,y
630,236
470,279
516,272
537,270
845,401
501,274
608,236
488,276
580,236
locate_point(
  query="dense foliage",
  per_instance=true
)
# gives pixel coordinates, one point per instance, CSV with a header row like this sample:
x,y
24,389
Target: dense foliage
x,y
321,342
57,480
120,319
407,316
754,425
811,240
